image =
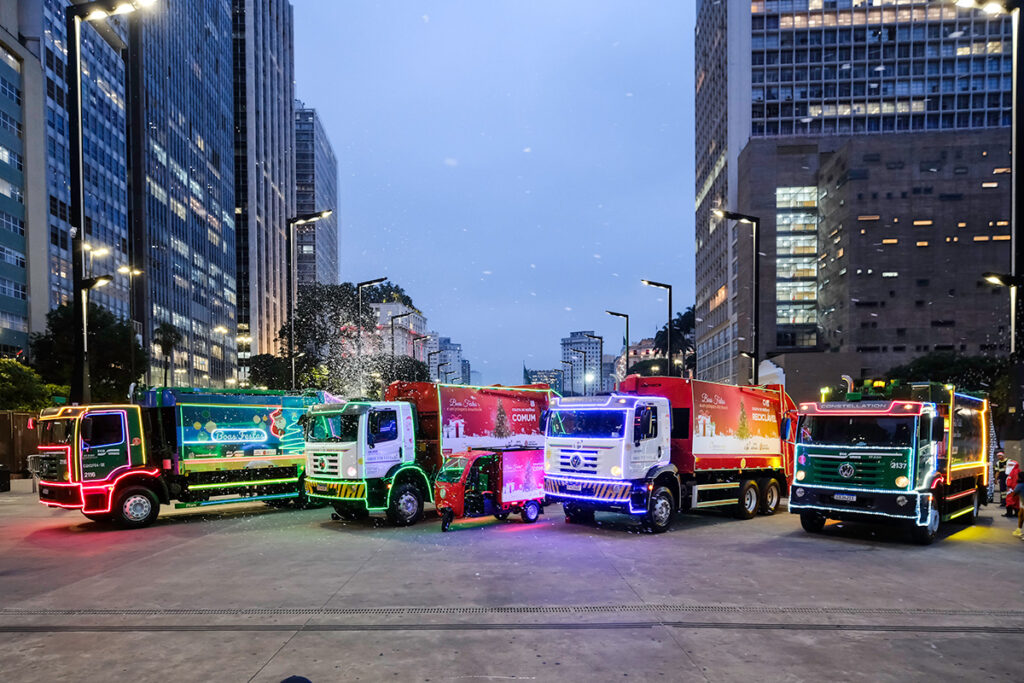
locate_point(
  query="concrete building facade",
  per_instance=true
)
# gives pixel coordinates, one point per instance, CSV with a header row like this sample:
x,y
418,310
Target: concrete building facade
x,y
264,169
316,189
773,68
586,374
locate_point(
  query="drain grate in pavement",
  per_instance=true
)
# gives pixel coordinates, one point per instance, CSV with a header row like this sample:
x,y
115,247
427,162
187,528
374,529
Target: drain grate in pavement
x,y
518,609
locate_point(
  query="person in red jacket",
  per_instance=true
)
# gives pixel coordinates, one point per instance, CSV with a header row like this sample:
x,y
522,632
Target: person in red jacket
x,y
1013,496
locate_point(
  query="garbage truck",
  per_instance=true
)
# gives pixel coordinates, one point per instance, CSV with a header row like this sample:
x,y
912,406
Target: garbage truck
x,y
916,455
383,456
190,447
662,445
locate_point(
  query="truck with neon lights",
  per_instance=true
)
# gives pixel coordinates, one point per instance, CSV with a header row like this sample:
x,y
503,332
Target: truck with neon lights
x,y
662,445
917,455
190,447
383,456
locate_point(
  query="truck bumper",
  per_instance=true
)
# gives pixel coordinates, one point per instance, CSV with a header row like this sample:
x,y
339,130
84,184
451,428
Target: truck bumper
x,y
867,506
334,489
614,495
60,494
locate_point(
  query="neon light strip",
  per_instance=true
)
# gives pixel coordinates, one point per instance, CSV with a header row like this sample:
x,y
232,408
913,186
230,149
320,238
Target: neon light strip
x,y
705,487
916,516
223,459
588,480
712,503
617,502
960,513
966,465
247,499
260,482
960,495
842,488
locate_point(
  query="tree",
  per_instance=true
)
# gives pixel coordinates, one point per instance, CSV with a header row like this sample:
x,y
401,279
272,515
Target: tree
x,y
501,428
652,367
266,370
167,337
682,334
21,388
111,341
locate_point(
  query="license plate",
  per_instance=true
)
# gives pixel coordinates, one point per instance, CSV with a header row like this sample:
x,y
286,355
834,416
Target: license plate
x,y
845,497
574,487
322,488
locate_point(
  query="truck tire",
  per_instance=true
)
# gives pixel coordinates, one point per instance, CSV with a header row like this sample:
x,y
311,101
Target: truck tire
x,y
749,500
135,507
661,510
771,494
531,511
812,522
925,535
577,515
406,506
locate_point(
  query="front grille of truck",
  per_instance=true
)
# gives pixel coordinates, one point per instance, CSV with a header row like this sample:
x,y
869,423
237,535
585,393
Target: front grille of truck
x,y
325,464
587,463
48,466
871,474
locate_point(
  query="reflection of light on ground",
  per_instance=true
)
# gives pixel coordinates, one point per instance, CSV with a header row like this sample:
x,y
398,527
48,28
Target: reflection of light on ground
x,y
980,533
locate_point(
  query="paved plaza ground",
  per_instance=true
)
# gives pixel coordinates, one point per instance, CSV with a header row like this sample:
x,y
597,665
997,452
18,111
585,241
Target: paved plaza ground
x,y
247,593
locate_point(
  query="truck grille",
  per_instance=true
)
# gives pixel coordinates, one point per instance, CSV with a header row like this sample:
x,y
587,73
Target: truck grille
x,y
583,464
325,464
48,466
866,473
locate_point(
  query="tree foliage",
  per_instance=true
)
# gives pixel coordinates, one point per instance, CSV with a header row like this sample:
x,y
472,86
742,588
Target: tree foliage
x,y
21,387
168,338
111,342
683,337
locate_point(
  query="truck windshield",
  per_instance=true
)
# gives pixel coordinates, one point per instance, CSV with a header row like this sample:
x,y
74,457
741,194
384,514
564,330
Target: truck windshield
x,y
598,424
332,427
55,432
860,430
452,470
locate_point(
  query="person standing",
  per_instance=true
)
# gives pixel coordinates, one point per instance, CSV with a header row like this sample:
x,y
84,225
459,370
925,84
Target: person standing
x,y
1001,470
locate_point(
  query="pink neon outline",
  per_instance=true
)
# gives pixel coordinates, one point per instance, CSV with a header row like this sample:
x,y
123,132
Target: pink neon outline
x,y
110,489
820,409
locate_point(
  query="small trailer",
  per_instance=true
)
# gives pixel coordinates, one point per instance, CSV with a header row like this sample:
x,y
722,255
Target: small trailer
x,y
479,483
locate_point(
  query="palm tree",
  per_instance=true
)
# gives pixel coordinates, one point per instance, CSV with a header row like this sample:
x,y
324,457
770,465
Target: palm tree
x,y
683,326
167,337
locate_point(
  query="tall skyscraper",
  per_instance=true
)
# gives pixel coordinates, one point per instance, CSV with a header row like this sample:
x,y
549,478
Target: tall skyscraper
x,y
316,189
23,196
184,200
808,70
41,25
264,169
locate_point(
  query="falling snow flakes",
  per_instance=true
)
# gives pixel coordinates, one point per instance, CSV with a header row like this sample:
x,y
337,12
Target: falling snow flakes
x,y
526,150
449,161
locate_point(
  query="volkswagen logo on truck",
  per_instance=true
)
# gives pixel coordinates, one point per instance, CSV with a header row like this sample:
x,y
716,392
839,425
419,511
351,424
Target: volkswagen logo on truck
x,y
846,470
575,461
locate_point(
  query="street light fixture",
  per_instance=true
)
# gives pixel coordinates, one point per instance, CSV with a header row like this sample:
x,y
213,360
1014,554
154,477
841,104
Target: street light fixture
x,y
359,324
668,330
584,354
625,362
572,379
755,227
430,360
293,276
439,366
73,17
600,358
418,338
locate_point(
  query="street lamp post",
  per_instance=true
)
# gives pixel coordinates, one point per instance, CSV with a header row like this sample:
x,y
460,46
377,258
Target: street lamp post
x,y
416,339
600,358
561,379
755,228
392,323
359,324
584,353
293,276
572,379
439,366
430,361
80,285
132,272
625,360
668,330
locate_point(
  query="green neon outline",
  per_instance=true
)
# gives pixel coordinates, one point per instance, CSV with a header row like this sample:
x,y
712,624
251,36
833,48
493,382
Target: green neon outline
x,y
255,482
364,499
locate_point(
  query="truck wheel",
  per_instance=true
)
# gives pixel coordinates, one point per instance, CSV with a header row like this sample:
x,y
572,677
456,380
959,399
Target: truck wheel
x,y
925,535
749,500
446,519
135,507
577,515
812,522
406,506
660,511
771,494
531,511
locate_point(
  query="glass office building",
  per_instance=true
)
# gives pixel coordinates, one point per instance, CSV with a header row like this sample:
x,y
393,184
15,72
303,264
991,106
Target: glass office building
x,y
316,189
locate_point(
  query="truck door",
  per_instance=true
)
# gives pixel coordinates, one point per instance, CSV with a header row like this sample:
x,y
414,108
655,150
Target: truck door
x,y
647,447
382,443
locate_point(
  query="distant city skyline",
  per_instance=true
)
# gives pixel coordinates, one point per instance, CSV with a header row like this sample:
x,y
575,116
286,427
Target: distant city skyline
x,y
516,168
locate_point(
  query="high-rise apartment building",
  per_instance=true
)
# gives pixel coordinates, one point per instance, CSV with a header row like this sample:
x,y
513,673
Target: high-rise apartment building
x,y
316,189
585,369
41,25
411,324
185,196
813,69
23,196
264,170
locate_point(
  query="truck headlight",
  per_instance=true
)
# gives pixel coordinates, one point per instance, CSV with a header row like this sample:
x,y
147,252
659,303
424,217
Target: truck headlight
x,y
616,471
901,482
800,474
351,471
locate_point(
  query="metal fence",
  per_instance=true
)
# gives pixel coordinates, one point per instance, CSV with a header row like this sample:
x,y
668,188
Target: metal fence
x,y
17,441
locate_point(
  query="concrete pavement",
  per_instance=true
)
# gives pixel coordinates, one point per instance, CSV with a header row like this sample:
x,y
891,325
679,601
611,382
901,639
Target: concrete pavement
x,y
250,593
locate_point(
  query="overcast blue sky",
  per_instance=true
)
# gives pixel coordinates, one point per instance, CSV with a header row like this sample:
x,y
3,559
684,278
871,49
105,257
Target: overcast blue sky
x,y
516,165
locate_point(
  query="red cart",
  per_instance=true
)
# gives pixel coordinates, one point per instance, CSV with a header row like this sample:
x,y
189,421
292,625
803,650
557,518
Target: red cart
x,y
478,483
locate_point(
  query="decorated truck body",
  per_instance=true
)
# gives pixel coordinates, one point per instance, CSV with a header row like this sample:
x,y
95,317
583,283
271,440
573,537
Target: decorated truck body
x,y
918,455
661,445
191,447
383,456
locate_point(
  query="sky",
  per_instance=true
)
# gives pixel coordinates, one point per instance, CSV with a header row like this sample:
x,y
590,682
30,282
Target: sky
x,y
517,166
